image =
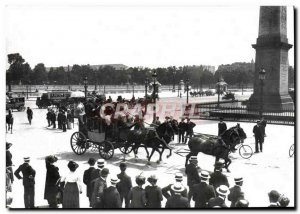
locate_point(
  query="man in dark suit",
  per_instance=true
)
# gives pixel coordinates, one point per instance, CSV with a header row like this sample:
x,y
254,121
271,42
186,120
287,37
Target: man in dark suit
x,y
192,175
88,177
273,198
219,201
236,192
222,127
177,200
29,114
99,185
182,129
28,182
168,192
189,129
202,192
9,162
124,185
111,196
217,178
259,136
263,123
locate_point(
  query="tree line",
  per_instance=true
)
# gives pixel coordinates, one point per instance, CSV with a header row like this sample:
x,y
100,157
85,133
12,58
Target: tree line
x,y
20,72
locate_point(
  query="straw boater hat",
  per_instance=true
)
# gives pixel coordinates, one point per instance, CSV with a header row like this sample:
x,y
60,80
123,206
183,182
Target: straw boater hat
x,y
177,187
178,177
223,190
193,158
8,145
26,159
114,180
238,179
204,175
100,163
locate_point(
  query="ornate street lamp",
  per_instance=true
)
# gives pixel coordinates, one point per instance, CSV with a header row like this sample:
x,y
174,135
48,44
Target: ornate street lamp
x,y
85,82
154,76
187,81
262,77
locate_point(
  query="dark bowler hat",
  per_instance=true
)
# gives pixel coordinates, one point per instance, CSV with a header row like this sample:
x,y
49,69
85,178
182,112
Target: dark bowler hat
x,y
8,145
72,165
274,195
218,165
91,161
104,172
123,165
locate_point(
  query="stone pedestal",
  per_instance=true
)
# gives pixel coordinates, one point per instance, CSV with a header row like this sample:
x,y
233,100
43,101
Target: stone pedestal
x,y
272,56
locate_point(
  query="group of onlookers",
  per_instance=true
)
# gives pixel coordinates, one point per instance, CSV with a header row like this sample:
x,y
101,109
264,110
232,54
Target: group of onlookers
x,y
64,118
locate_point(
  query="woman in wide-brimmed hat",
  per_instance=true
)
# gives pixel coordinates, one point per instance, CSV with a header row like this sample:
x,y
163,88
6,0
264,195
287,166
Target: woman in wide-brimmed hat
x,y
72,187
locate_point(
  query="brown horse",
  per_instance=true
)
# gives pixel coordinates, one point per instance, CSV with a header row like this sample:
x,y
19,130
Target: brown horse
x,y
215,146
9,122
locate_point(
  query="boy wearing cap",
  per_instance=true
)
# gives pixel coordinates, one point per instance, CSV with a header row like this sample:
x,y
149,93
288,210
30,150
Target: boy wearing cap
x,y
177,200
168,192
99,185
202,192
28,182
124,185
217,178
236,192
153,193
88,177
111,196
219,201
192,175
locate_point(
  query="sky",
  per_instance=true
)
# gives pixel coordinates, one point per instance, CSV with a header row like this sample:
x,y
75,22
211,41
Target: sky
x,y
149,36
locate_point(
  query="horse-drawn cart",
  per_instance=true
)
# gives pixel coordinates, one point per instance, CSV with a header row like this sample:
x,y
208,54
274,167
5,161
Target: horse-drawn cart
x,y
99,138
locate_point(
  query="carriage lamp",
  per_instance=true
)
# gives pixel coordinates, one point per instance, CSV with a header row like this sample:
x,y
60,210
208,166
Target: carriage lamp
x,y
85,82
187,81
154,75
262,77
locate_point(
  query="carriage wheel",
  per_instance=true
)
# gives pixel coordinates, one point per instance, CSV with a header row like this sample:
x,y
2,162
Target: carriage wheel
x,y
125,148
245,151
291,151
78,143
106,150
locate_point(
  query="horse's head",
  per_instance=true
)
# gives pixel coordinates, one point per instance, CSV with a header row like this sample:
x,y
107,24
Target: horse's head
x,y
234,136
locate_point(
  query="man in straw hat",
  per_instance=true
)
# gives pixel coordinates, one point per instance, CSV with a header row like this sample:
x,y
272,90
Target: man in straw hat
x,y
99,185
100,166
124,185
192,174
236,192
219,201
167,191
111,196
202,192
88,177
217,178
177,200
28,182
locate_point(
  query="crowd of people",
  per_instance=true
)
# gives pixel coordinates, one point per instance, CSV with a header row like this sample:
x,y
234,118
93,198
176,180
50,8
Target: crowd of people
x,y
63,117
207,190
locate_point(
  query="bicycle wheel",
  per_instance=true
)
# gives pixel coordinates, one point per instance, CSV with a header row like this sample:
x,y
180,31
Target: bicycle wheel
x,y
245,151
291,151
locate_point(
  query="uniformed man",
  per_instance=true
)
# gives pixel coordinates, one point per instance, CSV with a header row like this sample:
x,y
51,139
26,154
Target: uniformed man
x,y
88,178
259,136
202,192
189,129
222,127
217,178
177,200
273,198
182,129
219,201
28,182
192,175
236,192
168,192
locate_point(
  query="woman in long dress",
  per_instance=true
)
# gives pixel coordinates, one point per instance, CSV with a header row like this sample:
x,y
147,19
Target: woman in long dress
x,y
72,187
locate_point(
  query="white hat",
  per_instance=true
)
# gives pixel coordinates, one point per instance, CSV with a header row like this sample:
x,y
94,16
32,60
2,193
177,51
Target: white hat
x,y
114,179
177,187
204,174
179,176
223,190
238,179
193,158
26,159
100,163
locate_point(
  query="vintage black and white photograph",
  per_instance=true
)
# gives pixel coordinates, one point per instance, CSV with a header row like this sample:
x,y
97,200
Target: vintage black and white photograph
x,y
149,106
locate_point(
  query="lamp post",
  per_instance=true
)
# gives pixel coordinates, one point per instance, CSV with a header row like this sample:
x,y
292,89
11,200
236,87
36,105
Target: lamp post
x,y
154,75
133,84
85,81
262,77
218,83
146,87
187,81
174,73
